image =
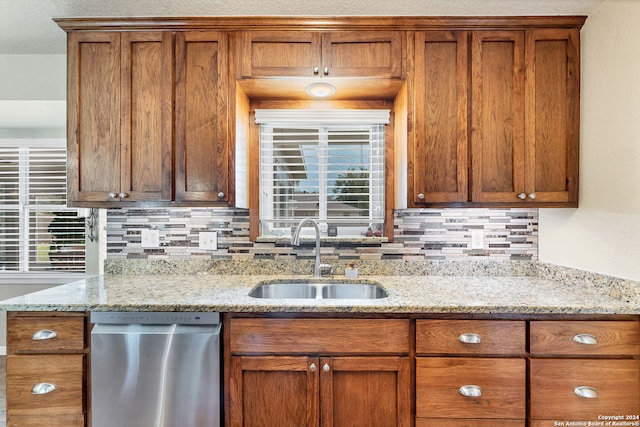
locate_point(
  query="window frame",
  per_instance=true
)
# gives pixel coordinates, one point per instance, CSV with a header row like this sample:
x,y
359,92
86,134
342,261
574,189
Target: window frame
x,y
253,159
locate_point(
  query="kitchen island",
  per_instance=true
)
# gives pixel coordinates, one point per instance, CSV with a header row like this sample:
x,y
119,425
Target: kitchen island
x,y
473,350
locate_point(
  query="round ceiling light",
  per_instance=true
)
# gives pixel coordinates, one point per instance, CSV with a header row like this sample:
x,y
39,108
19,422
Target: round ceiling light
x,y
320,90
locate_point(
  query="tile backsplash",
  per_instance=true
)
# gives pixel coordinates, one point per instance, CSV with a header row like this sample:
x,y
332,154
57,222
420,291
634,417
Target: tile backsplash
x,y
419,234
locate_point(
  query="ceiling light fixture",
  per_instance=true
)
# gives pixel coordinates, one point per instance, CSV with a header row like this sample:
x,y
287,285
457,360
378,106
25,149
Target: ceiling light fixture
x,y
320,90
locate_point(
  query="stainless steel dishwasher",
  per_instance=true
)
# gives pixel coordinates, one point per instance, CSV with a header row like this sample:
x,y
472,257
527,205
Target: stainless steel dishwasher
x,y
155,369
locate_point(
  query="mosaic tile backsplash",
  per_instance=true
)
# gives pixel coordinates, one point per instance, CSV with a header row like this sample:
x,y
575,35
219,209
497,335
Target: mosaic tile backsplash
x,y
420,235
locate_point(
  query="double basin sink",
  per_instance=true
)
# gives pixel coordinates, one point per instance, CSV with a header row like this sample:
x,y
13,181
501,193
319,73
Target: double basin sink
x,y
318,289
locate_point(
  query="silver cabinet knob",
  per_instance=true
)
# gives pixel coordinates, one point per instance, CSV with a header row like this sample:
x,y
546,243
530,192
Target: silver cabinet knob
x,y
316,70
470,390
312,368
470,338
587,339
421,196
43,388
122,195
112,195
326,71
522,196
585,392
44,334
220,194
326,367
532,196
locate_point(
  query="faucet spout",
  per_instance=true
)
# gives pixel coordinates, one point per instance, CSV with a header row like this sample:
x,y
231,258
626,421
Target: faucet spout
x,y
295,241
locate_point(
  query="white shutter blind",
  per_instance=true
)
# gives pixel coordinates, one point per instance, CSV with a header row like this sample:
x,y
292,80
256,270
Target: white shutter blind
x,y
329,167
37,231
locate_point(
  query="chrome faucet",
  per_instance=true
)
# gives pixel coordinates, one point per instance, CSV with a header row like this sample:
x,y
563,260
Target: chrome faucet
x,y
295,241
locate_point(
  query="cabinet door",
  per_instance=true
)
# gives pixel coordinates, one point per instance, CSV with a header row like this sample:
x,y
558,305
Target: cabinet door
x,y
274,390
281,53
147,116
438,159
362,54
203,156
497,109
365,391
552,115
93,116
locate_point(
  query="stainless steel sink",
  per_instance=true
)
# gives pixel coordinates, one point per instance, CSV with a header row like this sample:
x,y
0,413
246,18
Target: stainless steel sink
x,y
318,290
284,290
353,291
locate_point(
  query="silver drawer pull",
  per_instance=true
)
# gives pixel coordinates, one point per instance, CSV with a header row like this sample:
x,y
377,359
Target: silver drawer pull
x,y
43,388
470,391
44,334
470,338
586,392
585,339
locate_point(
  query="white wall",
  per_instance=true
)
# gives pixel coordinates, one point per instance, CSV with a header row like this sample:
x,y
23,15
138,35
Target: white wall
x,y
603,234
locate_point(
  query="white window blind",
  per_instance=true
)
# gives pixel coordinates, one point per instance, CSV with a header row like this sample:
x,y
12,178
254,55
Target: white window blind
x,y
325,165
37,231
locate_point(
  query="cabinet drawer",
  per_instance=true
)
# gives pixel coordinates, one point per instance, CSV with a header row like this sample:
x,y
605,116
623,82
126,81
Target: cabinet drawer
x,y
57,421
502,383
553,381
319,336
589,338
426,422
56,334
470,337
62,370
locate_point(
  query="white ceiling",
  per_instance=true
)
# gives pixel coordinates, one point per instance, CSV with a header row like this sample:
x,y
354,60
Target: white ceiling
x,y
26,26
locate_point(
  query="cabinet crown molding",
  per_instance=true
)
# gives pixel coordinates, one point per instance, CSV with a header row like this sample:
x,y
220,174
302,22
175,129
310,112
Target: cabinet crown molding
x,y
324,23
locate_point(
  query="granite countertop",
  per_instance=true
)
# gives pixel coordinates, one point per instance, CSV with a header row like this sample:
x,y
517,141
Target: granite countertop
x,y
407,294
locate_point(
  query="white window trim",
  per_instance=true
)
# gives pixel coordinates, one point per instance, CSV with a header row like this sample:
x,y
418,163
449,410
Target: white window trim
x,y
274,118
35,277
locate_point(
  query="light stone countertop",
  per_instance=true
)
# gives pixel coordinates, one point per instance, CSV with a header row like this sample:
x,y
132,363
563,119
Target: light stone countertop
x,y
407,294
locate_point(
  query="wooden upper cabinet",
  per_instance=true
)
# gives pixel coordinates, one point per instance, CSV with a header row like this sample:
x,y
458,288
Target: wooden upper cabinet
x,y
497,137
204,159
438,156
525,116
552,115
119,119
147,116
376,54
93,115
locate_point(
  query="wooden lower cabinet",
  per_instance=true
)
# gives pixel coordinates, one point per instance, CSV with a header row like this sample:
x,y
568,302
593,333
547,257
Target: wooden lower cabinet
x,y
319,372
329,391
46,368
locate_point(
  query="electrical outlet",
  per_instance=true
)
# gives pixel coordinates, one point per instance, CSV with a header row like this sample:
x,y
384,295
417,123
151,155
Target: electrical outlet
x,y
150,238
477,239
208,240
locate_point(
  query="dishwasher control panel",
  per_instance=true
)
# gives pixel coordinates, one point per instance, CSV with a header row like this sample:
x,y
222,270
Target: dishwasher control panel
x,y
155,318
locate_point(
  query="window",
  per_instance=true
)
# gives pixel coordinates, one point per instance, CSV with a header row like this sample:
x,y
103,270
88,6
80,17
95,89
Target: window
x,y
325,165
37,231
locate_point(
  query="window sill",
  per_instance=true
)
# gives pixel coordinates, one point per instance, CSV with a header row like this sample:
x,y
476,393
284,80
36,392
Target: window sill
x,y
306,240
19,279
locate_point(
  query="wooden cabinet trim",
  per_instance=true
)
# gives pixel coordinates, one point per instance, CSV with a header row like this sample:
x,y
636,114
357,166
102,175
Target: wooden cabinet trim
x,y
333,23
